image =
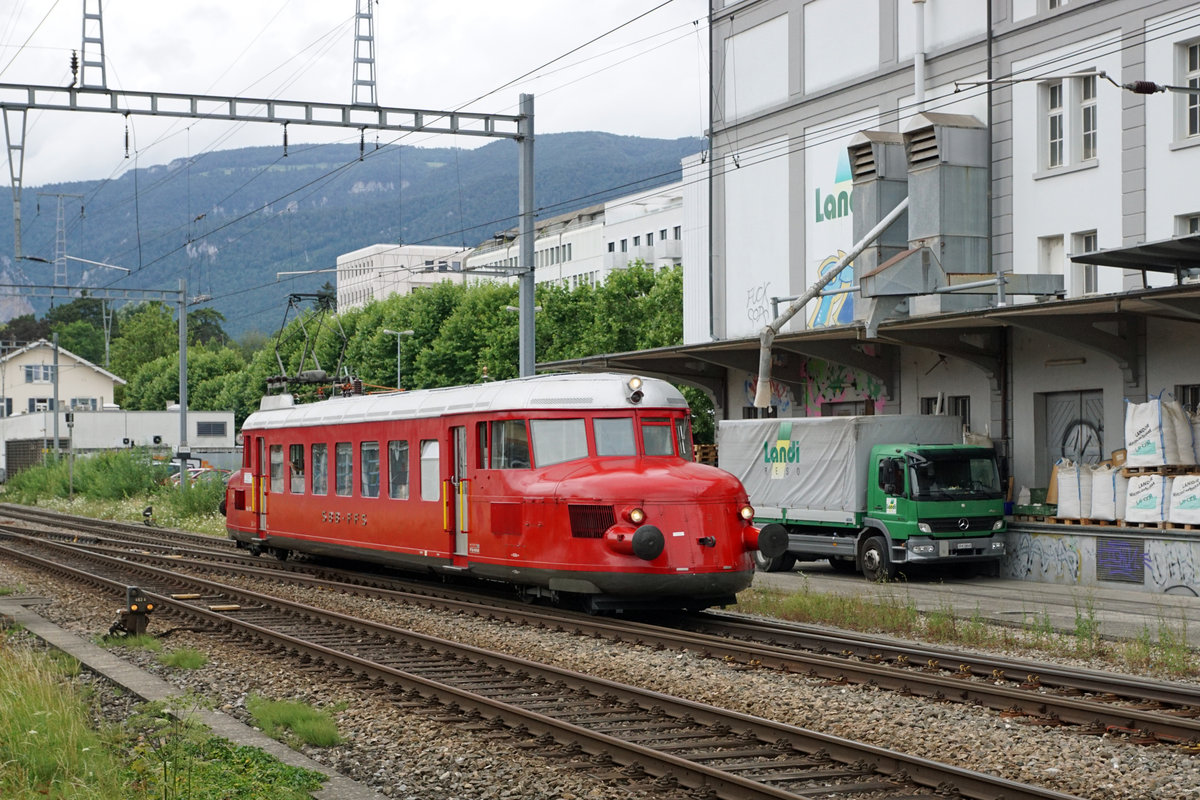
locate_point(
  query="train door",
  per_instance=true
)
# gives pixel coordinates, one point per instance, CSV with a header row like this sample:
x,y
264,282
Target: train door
x,y
260,483
459,488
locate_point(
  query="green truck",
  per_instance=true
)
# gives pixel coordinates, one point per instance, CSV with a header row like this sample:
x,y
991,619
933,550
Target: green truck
x,y
869,493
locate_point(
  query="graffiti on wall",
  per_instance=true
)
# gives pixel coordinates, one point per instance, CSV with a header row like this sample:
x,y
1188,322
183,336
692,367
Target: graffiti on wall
x,y
1162,566
819,382
1049,559
834,309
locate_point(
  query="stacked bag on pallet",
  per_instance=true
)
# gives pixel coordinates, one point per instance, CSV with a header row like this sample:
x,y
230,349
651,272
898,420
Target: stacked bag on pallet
x,y
1185,500
1109,490
1148,498
1074,481
1158,433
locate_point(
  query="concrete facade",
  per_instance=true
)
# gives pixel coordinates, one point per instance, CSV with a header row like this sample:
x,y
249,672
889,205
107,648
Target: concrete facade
x,y
1077,164
373,273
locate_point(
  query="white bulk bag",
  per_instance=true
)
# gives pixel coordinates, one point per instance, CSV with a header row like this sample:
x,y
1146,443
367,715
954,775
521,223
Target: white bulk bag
x,y
1185,500
1147,498
1109,486
1157,433
1074,490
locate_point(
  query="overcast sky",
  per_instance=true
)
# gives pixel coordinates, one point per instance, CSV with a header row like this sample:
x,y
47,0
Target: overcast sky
x,y
647,79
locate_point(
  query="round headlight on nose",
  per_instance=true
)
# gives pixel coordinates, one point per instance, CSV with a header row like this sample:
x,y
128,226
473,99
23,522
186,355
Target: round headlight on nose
x,y
635,515
746,512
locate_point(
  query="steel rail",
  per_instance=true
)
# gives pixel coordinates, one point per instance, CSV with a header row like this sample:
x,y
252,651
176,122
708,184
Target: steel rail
x,y
918,770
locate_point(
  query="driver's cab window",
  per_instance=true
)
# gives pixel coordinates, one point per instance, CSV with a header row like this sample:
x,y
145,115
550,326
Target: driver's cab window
x,y
891,476
656,437
510,445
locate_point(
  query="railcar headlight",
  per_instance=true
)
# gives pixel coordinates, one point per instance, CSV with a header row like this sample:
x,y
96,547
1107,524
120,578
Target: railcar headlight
x,y
746,512
633,389
635,515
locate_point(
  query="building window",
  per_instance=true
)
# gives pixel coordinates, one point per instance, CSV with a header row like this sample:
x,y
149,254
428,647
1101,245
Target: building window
x,y
1188,396
678,232
649,240
612,247
637,241
39,373
1187,224
1087,117
41,404
83,404
1190,69
1053,98
205,428
957,405
1084,278
6,407
624,245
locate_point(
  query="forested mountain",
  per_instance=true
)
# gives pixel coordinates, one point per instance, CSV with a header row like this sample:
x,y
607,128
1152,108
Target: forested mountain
x,y
228,221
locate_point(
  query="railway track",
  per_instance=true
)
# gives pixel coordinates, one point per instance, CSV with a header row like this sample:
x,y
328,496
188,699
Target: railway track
x,y
642,738
1092,702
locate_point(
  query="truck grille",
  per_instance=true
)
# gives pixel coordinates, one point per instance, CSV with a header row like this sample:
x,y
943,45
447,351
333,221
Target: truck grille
x,y
590,522
954,524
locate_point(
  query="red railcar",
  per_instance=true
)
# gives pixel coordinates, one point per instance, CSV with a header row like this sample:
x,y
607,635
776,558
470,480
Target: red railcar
x,y
562,485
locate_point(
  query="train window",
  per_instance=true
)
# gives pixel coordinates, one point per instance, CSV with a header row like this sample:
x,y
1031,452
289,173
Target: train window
x,y
320,469
656,437
430,470
510,445
343,468
558,440
398,470
683,432
481,460
296,459
614,437
369,462
276,468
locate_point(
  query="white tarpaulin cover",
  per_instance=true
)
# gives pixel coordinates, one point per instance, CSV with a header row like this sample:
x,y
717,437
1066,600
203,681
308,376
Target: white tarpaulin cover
x,y
816,467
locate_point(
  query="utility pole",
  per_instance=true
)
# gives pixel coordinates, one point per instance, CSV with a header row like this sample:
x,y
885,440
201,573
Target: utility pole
x,y
526,352
60,238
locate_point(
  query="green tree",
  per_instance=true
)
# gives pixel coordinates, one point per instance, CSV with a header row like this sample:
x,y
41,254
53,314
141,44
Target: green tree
x,y
204,327
83,339
25,329
148,332
156,385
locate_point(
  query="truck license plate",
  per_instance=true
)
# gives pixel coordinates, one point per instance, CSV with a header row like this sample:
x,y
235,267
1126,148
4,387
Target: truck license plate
x,y
964,546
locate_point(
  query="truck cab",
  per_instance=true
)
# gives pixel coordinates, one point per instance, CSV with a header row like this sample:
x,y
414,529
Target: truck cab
x,y
931,503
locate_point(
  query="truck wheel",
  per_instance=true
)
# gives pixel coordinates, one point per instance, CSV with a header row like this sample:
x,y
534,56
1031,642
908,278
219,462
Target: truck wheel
x,y
876,562
782,563
843,565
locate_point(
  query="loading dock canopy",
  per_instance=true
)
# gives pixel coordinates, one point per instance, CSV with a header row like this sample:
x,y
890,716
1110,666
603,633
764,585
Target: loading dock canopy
x,y
1107,324
1175,256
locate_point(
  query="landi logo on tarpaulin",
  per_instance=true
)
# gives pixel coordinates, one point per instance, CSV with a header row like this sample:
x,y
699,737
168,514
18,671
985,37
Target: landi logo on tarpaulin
x,y
783,452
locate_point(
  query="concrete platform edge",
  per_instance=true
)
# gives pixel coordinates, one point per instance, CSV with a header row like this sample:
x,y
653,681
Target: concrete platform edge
x,y
150,687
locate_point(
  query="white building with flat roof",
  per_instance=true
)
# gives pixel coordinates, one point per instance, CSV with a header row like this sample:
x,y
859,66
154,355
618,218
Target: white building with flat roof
x,y
373,273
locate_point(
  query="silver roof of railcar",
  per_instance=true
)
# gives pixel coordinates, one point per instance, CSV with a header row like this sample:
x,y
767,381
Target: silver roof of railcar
x,y
541,392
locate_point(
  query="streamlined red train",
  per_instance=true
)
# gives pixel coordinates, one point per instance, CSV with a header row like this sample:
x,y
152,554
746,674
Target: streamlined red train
x,y
576,488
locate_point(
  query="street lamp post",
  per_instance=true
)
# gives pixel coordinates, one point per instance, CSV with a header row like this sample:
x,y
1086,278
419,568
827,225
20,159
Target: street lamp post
x,y
398,335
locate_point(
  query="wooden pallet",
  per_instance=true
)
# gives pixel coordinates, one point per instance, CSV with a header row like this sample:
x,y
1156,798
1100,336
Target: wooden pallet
x,y
1181,526
706,454
1154,525
1166,470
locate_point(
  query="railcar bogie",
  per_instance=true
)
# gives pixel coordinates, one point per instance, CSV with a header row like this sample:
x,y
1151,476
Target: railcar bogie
x,y
564,486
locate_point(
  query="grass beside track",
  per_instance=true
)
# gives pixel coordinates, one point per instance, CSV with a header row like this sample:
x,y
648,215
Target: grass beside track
x,y
49,747
1160,650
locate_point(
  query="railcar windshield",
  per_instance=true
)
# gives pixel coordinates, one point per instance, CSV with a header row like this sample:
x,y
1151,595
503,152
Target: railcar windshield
x,y
614,436
954,475
558,440
656,436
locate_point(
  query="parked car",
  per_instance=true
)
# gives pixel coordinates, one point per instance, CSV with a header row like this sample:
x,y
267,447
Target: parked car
x,y
201,474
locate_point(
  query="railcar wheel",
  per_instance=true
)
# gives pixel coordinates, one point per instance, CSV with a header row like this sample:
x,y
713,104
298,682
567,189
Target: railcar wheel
x,y
280,553
877,564
781,563
845,566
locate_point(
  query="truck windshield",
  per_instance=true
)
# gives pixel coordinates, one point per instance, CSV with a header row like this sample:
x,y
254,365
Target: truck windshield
x,y
954,475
